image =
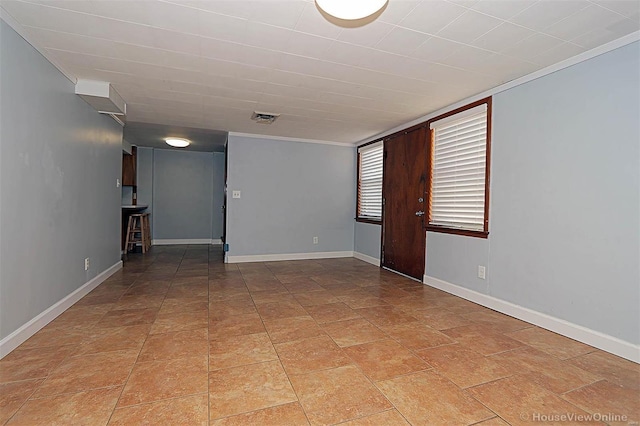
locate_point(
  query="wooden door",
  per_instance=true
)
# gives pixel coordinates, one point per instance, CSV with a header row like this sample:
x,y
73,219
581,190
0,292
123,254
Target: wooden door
x,y
404,192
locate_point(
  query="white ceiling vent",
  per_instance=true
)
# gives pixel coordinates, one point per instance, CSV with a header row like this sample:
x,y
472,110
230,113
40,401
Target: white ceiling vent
x,y
103,97
264,117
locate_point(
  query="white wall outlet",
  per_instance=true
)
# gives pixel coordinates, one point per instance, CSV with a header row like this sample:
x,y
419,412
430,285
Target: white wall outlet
x,y
86,264
236,194
117,183
482,272
315,240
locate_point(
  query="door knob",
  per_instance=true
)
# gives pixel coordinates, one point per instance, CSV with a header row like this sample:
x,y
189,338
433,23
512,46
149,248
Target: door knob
x,y
419,213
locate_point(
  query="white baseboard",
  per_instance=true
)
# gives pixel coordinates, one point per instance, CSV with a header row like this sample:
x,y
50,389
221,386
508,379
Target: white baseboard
x,y
288,256
366,258
166,242
577,332
216,241
19,336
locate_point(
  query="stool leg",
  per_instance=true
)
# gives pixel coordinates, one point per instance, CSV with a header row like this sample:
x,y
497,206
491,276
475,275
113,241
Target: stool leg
x,y
143,235
128,239
148,230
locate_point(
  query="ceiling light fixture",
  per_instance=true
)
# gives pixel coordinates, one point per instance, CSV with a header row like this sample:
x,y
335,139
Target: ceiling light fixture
x,y
178,142
351,9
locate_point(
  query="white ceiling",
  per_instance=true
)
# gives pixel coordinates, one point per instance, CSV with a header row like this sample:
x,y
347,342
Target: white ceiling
x,y
211,63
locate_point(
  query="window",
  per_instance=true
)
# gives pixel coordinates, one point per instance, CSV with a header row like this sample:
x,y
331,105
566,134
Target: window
x,y
459,170
370,182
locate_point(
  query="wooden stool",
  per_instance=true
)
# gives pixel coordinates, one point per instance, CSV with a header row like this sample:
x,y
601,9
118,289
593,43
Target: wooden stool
x,y
138,232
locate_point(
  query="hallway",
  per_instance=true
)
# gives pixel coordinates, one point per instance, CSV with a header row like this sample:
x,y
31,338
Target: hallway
x,y
179,338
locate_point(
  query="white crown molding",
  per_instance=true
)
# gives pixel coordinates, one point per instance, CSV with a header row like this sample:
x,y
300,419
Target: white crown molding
x,y
594,338
287,256
17,27
287,139
584,56
19,336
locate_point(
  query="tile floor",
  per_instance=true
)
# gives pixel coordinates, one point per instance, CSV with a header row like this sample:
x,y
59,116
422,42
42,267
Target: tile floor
x,y
179,338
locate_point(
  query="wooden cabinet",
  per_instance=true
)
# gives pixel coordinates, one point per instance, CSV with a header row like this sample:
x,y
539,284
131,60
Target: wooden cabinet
x,y
129,167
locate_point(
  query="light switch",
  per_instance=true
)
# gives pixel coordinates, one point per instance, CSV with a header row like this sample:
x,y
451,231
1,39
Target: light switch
x,y
236,194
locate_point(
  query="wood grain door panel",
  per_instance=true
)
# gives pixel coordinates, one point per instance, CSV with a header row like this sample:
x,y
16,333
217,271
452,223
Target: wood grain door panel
x,y
404,194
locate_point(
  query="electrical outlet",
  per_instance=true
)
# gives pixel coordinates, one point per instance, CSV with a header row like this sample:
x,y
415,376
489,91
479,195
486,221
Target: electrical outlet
x,y
86,264
236,194
315,240
482,272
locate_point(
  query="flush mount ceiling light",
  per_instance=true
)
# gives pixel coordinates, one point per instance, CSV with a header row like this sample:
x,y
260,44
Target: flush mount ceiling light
x,y
178,142
351,9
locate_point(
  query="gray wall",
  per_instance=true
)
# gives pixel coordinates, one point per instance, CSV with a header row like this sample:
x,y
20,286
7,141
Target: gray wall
x,y
565,199
367,239
217,215
291,192
144,180
60,204
182,194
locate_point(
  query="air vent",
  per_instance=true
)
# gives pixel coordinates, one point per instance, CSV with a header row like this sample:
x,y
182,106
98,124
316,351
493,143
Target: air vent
x,y
264,117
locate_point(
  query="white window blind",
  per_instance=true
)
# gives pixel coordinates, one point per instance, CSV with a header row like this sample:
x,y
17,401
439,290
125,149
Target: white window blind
x,y
370,184
458,172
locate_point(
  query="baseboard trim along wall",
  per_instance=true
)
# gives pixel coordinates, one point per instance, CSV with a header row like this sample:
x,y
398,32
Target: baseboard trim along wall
x,y
585,335
19,336
288,256
366,258
169,242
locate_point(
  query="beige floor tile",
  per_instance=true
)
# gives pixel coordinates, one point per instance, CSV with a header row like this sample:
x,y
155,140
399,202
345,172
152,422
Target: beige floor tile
x,y
281,415
163,379
613,368
233,351
190,410
337,395
180,321
385,359
139,301
79,315
464,367
621,405
248,388
315,353
236,305
526,401
386,418
301,286
440,319
114,339
236,325
32,363
332,312
353,332
482,340
275,310
416,335
88,408
419,398
56,337
385,315
179,305
319,297
180,344
551,343
82,373
13,395
361,299
496,421
546,370
496,321
292,328
127,317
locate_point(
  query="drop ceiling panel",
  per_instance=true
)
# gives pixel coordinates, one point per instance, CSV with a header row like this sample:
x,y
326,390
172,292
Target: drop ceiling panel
x,y
210,64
